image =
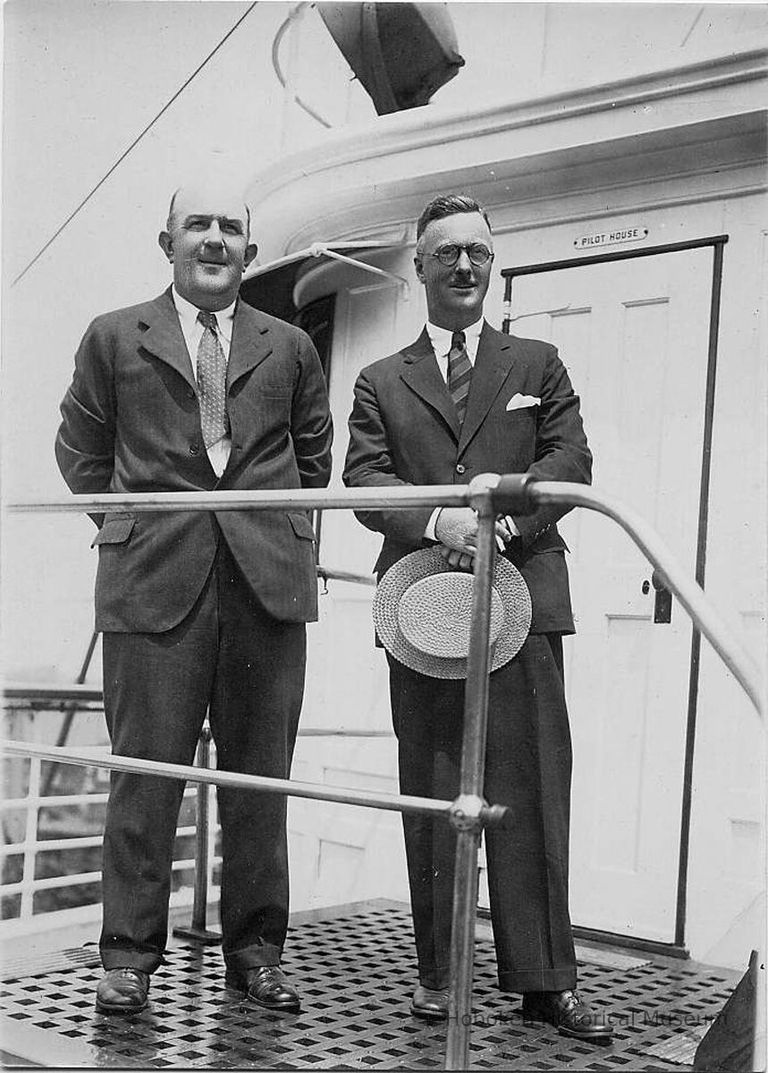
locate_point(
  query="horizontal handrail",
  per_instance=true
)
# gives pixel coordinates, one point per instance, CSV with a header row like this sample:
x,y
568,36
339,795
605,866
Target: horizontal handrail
x,y
327,574
512,492
347,796
401,497
75,879
55,845
58,698
17,804
674,577
49,694
34,886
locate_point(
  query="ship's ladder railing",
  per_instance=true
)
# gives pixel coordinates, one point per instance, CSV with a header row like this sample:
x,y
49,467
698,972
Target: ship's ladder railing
x,y
34,804
490,495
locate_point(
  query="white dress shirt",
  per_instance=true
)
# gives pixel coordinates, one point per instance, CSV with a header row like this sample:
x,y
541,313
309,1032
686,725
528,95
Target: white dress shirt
x,y
192,330
441,339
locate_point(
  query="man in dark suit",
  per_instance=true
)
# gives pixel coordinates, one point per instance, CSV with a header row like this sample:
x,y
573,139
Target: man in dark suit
x,y
463,400
196,391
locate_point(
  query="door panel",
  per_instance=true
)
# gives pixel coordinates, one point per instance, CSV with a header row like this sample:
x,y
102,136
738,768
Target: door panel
x,y
633,335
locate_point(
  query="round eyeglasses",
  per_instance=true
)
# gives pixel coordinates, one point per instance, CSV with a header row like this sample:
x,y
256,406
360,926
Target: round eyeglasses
x,y
449,254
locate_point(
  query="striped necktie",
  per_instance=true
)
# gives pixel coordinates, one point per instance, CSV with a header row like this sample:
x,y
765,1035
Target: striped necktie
x,y
459,374
211,381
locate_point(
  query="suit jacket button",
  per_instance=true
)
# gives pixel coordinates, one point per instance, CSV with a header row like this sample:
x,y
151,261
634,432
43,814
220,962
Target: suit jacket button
x,y
194,448
460,468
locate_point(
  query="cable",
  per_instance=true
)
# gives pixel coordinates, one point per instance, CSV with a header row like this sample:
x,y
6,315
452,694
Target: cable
x,y
692,27
133,144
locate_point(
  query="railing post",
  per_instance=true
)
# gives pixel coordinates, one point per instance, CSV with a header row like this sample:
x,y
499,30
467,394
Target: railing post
x,y
30,839
198,931
466,813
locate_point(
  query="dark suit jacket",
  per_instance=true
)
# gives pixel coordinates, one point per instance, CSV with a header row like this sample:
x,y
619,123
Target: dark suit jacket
x,y
131,423
404,430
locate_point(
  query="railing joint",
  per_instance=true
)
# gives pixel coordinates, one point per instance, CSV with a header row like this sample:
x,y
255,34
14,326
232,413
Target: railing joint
x,y
466,812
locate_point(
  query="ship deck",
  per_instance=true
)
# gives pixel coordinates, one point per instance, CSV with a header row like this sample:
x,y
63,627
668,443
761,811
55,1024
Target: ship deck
x,y
355,968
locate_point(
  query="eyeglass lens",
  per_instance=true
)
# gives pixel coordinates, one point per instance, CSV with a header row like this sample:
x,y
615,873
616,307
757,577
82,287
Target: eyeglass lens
x,y
476,251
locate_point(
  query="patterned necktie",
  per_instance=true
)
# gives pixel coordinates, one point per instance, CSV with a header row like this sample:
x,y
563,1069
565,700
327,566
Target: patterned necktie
x,y
459,374
212,382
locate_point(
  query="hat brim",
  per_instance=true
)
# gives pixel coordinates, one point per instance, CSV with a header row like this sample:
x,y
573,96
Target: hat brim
x,y
508,583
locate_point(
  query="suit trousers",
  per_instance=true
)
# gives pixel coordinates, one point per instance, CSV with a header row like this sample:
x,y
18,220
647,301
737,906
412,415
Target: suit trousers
x,y
528,768
227,656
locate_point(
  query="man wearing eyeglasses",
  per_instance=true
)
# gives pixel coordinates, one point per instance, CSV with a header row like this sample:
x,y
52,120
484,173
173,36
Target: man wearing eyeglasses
x,y
464,399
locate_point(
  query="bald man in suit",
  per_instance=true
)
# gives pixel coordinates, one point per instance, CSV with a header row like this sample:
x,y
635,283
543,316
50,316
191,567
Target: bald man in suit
x,y
201,612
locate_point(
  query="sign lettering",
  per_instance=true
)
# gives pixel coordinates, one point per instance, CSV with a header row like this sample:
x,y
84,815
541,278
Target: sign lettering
x,y
611,238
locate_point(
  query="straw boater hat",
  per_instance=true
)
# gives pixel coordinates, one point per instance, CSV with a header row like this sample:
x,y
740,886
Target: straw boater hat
x,y
423,608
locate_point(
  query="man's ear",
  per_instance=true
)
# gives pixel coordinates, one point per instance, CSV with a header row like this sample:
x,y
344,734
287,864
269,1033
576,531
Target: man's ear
x,y
250,252
166,244
419,268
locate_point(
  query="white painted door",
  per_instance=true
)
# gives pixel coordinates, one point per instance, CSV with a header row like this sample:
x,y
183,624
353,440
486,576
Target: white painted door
x,y
633,335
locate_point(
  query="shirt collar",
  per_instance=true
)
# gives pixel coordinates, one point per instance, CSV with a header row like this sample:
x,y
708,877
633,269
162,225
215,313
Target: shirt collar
x,y
188,313
440,338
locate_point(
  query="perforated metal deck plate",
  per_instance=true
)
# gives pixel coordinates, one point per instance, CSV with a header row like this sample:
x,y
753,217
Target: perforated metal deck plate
x,y
356,971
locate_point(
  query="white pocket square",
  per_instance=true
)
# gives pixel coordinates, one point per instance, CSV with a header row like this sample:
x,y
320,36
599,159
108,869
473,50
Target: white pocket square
x,y
518,401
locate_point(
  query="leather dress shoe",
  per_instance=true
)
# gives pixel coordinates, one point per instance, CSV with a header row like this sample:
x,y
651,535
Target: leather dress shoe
x,y
266,986
429,1004
122,991
568,1012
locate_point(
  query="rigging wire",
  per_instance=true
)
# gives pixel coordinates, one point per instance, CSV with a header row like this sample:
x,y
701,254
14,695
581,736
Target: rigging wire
x,y
133,144
692,27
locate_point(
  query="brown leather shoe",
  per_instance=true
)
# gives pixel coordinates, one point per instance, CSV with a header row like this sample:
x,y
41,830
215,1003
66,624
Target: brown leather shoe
x,y
265,985
122,991
567,1011
429,1004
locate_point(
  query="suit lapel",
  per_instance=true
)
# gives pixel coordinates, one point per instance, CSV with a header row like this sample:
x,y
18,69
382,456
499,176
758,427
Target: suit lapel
x,y
493,365
250,342
163,337
421,374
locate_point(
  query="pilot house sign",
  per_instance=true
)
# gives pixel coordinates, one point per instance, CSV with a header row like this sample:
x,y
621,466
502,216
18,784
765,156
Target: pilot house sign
x,y
611,238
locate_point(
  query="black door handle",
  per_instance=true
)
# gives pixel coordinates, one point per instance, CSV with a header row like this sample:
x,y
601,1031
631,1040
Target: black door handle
x,y
662,604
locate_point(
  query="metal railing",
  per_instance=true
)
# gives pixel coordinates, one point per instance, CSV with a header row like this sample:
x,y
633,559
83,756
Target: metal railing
x,y
29,812
40,860
490,495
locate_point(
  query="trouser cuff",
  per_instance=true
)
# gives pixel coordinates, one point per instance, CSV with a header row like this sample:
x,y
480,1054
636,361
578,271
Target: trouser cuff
x,y
435,979
130,959
523,980
252,957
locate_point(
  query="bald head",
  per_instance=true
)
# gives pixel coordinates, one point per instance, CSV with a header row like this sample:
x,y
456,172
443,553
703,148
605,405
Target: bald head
x,y
187,191
206,241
